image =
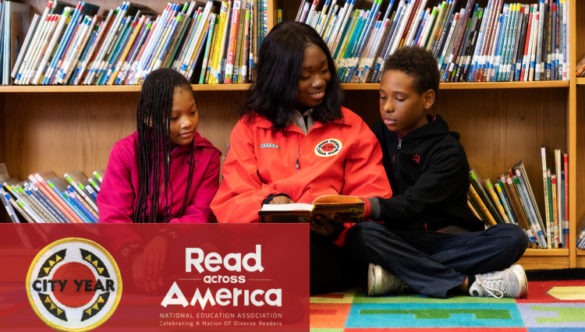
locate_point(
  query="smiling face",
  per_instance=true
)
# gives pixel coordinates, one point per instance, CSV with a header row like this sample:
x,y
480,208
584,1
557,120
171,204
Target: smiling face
x,y
402,108
184,116
315,74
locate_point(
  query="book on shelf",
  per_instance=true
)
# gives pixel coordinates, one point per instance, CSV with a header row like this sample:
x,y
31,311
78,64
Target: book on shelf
x,y
513,200
518,208
526,195
44,197
480,207
333,208
79,182
477,183
75,45
475,41
16,20
7,200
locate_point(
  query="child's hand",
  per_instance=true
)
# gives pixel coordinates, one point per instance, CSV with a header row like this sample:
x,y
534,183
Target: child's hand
x,y
281,199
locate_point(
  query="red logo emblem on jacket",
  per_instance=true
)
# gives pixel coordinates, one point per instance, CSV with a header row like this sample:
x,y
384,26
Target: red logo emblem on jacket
x,y
328,147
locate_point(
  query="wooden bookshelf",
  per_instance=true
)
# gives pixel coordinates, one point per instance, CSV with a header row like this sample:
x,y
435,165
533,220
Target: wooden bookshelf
x,y
62,128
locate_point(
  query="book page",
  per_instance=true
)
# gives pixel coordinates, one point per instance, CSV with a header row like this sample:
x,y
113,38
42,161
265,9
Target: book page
x,y
287,207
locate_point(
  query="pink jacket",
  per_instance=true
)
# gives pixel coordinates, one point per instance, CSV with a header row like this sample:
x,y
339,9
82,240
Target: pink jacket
x,y
119,191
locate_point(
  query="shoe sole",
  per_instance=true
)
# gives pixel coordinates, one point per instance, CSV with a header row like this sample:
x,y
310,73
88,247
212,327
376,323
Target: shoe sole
x,y
521,275
371,279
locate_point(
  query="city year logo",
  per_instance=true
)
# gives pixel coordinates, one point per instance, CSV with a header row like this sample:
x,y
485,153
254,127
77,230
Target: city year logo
x,y
74,284
328,147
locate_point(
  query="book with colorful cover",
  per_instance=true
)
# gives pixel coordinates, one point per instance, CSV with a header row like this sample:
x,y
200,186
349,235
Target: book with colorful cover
x,y
489,186
52,213
532,212
16,22
476,182
25,44
79,181
38,179
28,204
503,196
481,207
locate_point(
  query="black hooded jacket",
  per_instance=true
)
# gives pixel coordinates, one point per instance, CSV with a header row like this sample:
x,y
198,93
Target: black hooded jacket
x,y
429,174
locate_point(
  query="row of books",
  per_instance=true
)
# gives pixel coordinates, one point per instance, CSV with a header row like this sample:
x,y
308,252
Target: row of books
x,y
215,42
498,42
510,199
45,197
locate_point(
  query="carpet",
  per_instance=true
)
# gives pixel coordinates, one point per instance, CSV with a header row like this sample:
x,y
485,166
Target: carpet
x,y
551,306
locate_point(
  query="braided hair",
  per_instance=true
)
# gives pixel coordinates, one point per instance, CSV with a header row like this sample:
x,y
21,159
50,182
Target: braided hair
x,y
154,145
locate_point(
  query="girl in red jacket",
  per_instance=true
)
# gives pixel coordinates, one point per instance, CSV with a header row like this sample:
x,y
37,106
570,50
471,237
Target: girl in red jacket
x,y
295,142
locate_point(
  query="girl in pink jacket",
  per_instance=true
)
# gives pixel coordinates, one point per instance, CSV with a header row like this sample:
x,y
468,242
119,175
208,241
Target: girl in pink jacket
x,y
165,171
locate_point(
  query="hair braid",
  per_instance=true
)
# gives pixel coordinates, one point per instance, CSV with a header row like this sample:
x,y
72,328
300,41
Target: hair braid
x,y
154,145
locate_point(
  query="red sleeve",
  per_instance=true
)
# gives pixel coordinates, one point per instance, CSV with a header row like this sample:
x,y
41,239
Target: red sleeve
x,y
240,185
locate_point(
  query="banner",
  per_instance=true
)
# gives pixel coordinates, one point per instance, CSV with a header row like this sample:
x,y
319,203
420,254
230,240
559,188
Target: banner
x,y
154,277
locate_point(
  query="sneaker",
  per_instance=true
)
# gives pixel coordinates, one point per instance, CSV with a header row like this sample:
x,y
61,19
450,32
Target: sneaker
x,y
381,281
510,282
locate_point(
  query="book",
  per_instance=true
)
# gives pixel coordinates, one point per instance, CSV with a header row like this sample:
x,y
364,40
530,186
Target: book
x,y
519,212
489,186
8,206
79,182
531,210
480,207
15,24
476,181
7,200
333,208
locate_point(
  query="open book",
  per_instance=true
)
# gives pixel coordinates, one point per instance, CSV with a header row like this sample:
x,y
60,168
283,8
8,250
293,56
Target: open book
x,y
338,208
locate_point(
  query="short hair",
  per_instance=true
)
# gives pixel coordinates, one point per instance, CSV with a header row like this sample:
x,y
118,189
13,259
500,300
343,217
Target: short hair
x,y
418,63
153,115
280,60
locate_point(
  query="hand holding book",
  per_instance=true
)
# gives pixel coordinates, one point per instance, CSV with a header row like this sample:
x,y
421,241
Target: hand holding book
x,y
326,214
332,208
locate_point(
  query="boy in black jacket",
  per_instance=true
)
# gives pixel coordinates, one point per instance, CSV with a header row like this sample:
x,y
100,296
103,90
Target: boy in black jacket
x,y
429,240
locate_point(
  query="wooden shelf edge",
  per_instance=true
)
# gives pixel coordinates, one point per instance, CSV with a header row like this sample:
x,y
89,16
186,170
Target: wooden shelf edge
x,y
547,252
246,86
472,85
580,80
110,88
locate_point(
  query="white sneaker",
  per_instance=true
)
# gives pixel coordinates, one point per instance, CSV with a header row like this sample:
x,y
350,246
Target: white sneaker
x,y
510,282
382,282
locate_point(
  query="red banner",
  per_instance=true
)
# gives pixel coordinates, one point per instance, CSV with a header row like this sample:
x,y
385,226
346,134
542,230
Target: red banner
x,y
155,277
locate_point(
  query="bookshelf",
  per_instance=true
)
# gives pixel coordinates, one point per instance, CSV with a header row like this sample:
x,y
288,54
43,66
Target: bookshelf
x,y
578,107
62,128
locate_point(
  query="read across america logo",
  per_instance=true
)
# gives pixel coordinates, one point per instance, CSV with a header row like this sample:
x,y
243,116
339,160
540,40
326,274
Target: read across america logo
x,y
74,284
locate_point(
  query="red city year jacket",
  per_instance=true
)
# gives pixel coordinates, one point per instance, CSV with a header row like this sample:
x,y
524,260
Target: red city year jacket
x,y
342,157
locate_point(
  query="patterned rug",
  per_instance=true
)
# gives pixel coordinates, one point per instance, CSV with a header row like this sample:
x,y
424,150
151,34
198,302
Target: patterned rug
x,y
551,306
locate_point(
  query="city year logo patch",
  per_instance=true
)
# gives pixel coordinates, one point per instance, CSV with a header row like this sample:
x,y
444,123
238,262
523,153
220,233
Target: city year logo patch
x,y
328,147
74,284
